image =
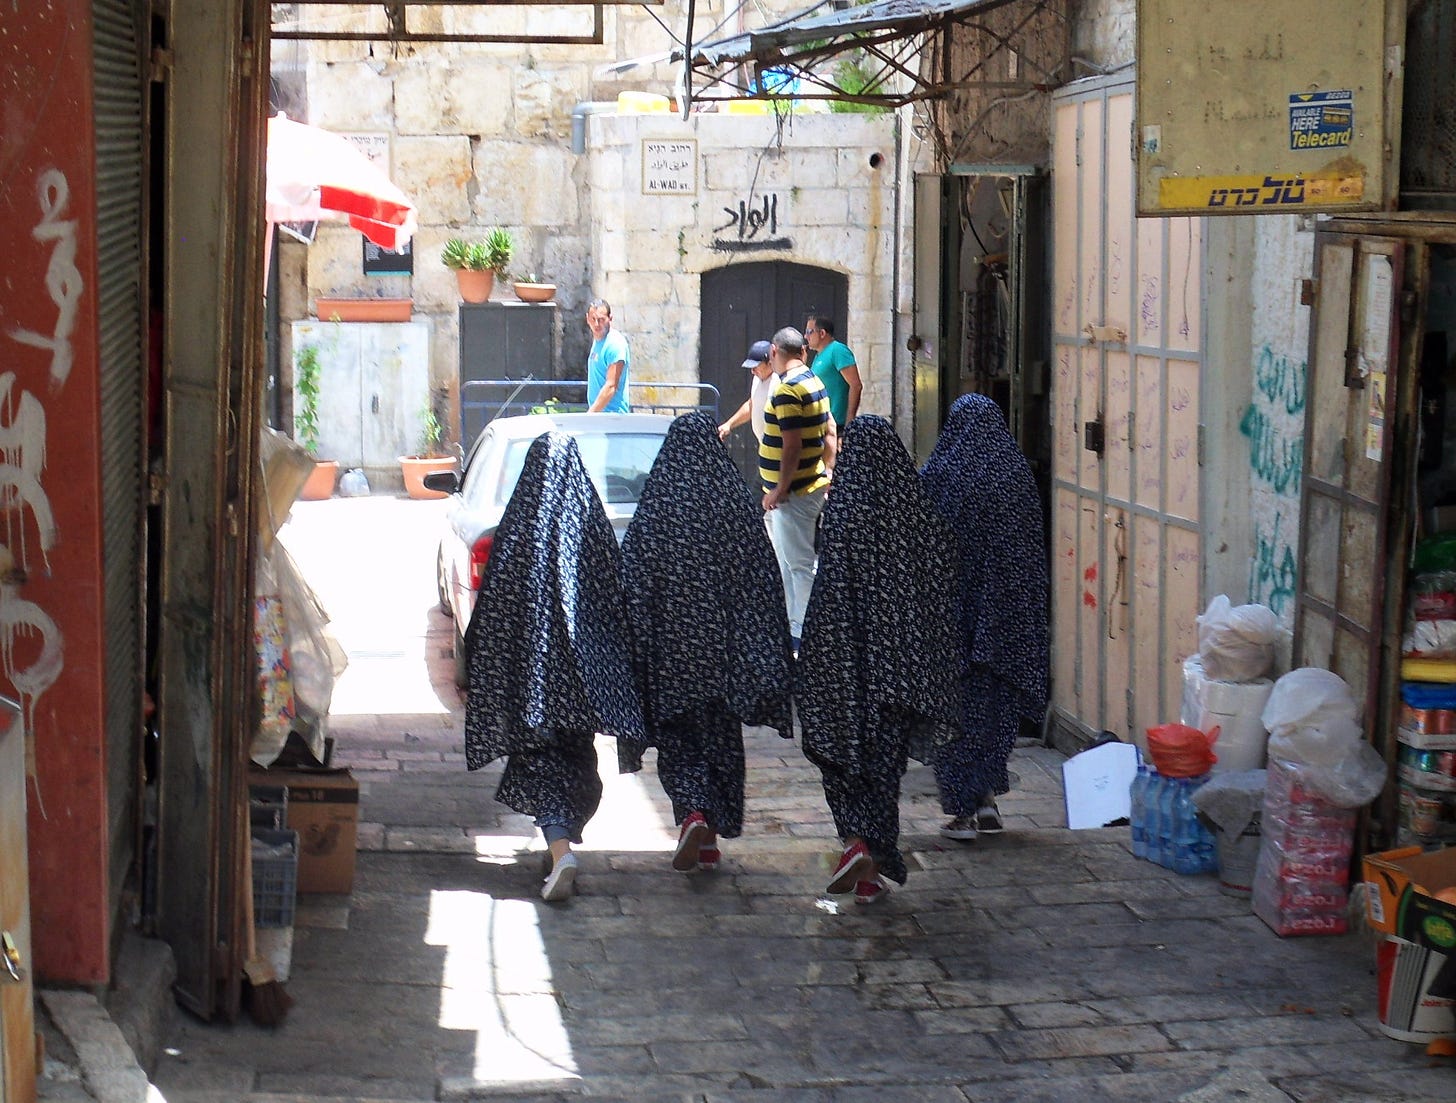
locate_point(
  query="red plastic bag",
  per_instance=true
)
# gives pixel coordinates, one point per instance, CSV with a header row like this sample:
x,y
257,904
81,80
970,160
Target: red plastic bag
x,y
1178,750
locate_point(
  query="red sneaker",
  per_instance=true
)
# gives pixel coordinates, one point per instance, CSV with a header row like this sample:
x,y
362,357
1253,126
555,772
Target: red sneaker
x,y
708,858
854,863
867,892
689,840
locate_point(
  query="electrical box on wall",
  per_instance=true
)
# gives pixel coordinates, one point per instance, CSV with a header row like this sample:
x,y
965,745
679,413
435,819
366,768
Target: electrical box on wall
x,y
1268,108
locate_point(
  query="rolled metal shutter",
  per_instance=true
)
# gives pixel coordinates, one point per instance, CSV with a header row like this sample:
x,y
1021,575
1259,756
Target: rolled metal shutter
x,y
121,299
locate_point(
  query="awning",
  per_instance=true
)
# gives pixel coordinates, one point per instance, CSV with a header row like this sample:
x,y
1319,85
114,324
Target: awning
x,y
797,58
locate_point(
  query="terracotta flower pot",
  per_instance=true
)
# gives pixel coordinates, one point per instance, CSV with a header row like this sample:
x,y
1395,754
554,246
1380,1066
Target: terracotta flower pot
x,y
320,483
535,292
363,310
475,286
415,468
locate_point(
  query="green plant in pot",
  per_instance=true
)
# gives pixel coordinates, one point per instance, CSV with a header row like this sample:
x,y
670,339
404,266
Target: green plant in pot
x,y
533,287
477,263
432,455
307,376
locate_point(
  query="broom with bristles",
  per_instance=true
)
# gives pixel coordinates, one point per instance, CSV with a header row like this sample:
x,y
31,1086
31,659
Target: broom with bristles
x,y
268,1001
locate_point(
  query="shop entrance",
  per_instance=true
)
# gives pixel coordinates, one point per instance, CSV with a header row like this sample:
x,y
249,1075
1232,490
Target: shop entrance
x,y
1379,489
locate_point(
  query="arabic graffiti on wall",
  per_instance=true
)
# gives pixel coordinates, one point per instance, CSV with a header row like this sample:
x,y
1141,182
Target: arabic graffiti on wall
x,y
31,645
753,223
1274,427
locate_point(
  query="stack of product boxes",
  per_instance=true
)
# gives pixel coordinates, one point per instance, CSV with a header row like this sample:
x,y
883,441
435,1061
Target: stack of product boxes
x,y
1302,882
1427,766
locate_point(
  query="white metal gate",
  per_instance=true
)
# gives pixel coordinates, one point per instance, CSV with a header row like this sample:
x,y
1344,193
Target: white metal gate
x,y
1127,441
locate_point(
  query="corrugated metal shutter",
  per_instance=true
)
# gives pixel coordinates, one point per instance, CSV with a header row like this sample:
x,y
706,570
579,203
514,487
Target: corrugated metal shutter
x,y
121,300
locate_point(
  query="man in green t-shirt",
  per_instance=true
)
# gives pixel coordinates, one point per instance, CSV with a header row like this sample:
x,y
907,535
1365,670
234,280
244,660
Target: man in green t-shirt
x,y
834,364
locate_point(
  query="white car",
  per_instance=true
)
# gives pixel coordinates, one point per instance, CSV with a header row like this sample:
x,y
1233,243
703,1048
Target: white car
x,y
618,450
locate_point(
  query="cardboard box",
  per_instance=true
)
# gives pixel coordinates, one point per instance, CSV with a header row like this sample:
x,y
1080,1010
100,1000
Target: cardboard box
x,y
1400,895
323,807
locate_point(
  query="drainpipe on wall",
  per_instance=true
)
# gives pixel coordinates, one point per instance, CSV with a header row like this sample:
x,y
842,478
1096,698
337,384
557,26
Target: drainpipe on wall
x,y
578,120
895,272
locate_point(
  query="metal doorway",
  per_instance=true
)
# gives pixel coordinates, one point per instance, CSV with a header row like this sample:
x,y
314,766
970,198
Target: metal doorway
x,y
1127,325
744,303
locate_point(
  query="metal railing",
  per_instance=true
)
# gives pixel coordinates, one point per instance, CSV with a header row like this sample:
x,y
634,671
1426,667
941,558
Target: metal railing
x,y
484,400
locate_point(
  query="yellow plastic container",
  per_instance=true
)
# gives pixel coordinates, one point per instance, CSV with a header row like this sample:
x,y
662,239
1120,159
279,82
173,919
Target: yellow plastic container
x,y
746,107
642,103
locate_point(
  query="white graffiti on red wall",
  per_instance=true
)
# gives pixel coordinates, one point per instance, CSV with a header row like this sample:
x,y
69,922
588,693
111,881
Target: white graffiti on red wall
x,y
63,278
32,654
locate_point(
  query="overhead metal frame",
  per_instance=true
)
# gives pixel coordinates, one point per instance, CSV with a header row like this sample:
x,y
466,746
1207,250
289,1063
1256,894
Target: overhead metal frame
x,y
890,34
397,22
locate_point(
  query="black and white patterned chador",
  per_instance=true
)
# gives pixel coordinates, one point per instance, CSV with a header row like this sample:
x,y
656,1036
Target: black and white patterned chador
x,y
877,665
710,634
548,646
983,487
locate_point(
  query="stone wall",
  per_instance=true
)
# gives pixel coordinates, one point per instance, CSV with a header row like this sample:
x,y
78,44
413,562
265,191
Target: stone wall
x,y
830,193
480,135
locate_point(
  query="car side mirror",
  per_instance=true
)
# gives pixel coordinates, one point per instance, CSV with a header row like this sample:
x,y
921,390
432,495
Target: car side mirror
x,y
447,481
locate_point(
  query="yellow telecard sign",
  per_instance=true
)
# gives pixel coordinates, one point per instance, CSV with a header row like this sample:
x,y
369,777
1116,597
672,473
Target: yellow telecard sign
x,y
1228,193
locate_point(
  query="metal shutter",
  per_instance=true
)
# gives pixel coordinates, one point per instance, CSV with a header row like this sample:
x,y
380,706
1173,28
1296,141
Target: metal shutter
x,y
121,301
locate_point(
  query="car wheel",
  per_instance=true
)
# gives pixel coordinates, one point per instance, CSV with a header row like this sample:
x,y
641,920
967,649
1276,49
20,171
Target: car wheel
x,y
442,590
462,666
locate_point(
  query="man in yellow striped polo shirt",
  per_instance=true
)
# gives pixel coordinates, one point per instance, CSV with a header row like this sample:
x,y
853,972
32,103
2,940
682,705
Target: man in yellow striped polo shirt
x,y
791,466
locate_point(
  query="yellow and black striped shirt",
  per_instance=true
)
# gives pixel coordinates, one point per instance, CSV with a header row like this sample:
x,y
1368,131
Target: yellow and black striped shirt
x,y
798,402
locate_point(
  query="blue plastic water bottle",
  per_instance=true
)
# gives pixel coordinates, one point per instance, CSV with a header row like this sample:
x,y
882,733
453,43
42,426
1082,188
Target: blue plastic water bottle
x,y
1166,822
1138,812
1194,843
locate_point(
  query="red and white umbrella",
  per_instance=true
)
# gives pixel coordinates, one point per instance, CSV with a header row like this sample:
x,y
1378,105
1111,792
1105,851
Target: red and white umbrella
x,y
315,174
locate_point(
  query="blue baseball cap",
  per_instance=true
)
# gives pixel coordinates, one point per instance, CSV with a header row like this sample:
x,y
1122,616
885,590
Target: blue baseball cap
x,y
758,354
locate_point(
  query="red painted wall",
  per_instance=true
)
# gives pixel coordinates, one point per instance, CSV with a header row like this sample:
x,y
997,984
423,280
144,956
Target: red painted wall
x,y
51,631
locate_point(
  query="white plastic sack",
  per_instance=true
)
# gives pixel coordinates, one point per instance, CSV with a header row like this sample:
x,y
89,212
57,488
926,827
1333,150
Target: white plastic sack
x,y
1353,782
1236,643
1314,727
354,483
1308,697
1429,639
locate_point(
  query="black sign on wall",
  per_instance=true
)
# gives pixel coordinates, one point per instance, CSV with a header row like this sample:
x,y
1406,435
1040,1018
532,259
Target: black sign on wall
x,y
379,261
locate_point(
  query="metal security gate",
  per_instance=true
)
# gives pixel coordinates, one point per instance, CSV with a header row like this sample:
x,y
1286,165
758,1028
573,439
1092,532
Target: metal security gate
x,y
121,295
1126,436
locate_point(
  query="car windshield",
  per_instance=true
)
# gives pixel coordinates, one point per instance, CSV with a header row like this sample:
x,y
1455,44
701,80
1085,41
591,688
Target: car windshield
x,y
617,463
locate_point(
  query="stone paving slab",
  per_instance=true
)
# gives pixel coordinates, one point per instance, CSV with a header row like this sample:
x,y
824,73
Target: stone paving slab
x,y
1042,964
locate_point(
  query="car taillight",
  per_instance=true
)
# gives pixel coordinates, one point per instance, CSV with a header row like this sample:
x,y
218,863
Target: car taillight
x,y
479,557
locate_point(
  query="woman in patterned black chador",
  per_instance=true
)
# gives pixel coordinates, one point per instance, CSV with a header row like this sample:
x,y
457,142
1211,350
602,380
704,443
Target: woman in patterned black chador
x,y
548,652
983,487
879,649
710,633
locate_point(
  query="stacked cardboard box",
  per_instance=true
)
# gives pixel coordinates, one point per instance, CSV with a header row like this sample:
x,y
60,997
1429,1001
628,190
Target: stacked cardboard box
x,y
1302,882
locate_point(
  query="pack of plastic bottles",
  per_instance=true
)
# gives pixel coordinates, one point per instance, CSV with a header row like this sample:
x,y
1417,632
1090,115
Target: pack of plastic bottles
x,y
1165,824
1301,884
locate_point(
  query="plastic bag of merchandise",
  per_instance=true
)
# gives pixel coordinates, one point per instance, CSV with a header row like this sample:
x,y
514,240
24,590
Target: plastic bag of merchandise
x,y
353,484
1314,726
315,658
1236,643
1180,750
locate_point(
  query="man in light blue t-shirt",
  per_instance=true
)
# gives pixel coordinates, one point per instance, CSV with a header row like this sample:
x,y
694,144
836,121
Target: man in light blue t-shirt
x,y
609,363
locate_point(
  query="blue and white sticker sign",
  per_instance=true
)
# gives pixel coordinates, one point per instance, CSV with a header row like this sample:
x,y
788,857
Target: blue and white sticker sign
x,y
1321,120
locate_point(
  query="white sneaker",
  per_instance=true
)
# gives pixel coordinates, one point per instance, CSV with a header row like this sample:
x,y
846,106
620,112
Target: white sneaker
x,y
962,828
563,877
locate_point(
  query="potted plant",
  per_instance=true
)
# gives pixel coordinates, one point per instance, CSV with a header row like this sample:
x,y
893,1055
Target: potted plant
x,y
532,288
476,263
307,371
432,455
